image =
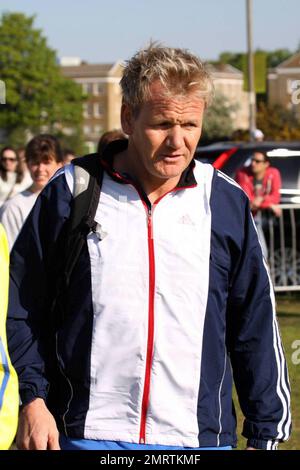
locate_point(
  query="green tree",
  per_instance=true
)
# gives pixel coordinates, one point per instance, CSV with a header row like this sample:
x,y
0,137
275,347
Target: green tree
x,y
38,97
277,123
275,58
262,61
234,59
218,122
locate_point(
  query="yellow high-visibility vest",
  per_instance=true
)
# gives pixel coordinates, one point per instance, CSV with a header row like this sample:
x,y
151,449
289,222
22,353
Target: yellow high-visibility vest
x,y
9,394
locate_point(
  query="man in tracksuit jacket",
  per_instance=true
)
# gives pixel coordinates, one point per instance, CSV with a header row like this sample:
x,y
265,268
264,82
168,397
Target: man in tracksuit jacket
x,y
169,301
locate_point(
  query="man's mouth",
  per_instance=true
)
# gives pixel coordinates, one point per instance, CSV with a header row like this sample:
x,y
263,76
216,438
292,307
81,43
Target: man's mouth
x,y
171,157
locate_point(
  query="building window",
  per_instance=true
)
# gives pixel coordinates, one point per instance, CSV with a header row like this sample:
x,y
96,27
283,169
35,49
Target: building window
x,y
98,110
90,109
98,130
86,130
90,147
87,88
98,89
90,88
69,131
87,110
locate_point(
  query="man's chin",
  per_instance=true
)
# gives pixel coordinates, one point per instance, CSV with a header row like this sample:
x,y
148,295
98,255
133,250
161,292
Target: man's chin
x,y
171,168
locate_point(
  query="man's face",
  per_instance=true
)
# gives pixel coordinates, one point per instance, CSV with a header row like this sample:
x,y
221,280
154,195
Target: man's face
x,y
258,164
9,160
42,171
165,133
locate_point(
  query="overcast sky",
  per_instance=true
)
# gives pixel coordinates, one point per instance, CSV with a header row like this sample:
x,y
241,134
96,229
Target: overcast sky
x,y
107,30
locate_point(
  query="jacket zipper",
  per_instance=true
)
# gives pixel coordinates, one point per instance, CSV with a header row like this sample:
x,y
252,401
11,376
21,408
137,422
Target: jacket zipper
x,y
146,393
150,339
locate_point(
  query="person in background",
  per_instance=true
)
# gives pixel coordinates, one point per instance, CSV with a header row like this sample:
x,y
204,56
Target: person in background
x,y
43,157
108,137
12,178
23,166
262,183
68,156
258,135
9,396
169,300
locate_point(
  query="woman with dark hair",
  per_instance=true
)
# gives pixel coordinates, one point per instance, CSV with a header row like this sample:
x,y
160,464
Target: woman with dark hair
x,y
12,180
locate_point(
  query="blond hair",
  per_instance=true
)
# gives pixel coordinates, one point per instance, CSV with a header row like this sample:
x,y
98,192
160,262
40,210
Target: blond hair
x,y
178,70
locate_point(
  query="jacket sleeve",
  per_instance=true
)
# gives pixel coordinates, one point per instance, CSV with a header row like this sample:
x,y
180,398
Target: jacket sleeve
x,y
255,348
273,197
27,322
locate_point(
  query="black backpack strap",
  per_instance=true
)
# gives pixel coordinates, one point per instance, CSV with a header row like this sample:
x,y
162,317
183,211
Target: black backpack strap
x,y
88,176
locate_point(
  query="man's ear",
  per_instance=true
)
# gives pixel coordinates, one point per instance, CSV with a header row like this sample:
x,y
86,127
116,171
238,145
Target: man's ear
x,y
127,119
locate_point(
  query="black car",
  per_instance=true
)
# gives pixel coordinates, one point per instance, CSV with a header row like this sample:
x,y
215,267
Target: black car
x,y
282,235
232,156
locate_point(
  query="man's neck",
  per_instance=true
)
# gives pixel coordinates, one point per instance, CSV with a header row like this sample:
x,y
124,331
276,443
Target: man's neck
x,y
260,176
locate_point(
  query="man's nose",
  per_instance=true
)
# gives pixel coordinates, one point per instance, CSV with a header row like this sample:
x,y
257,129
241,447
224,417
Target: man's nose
x,y
175,137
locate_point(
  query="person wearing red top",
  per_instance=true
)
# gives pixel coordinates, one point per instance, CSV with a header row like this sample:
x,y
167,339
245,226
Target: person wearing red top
x,y
262,184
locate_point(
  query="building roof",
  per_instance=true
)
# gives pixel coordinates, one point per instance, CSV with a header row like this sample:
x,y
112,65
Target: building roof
x,y
91,70
85,70
224,71
291,62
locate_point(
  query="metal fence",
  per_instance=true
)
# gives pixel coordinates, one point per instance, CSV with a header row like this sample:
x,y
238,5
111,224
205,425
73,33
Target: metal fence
x,y
282,238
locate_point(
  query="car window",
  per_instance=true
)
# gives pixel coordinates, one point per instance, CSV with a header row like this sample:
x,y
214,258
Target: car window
x,y
288,165
237,161
289,168
207,156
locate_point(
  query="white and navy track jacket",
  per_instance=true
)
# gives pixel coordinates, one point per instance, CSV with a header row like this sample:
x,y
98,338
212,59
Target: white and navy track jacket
x,y
166,305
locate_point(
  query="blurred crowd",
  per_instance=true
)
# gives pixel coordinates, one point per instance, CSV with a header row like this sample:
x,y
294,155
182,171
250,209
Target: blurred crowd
x,y
24,172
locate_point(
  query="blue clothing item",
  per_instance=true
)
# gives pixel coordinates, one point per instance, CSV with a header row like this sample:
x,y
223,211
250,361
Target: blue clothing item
x,y
88,444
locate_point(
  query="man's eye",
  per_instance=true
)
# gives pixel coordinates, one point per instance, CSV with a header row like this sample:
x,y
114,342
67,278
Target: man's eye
x,y
190,124
162,124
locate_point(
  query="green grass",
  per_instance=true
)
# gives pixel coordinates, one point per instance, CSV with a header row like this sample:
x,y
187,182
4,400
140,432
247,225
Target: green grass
x,y
289,320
